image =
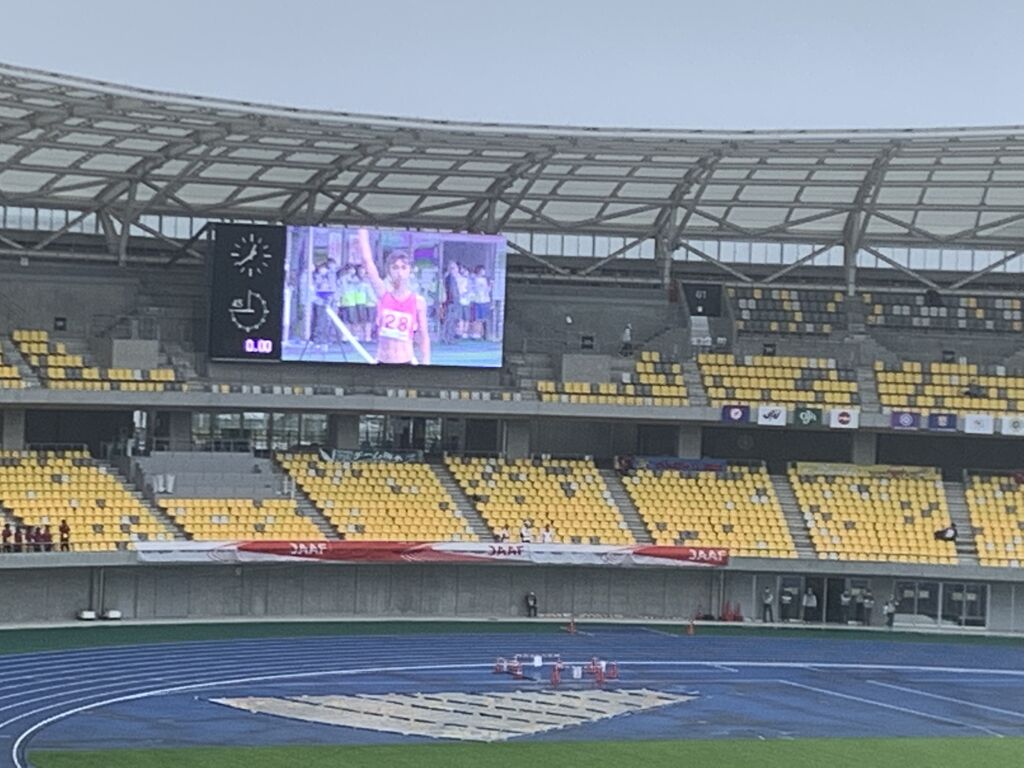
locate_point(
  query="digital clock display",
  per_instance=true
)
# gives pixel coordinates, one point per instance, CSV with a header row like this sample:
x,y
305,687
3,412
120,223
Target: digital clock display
x,y
258,346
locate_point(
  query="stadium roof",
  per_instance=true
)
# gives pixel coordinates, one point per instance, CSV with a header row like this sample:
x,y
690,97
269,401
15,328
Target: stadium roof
x,y
122,153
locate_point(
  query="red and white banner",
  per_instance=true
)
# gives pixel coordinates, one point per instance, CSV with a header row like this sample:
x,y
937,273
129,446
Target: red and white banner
x,y
426,552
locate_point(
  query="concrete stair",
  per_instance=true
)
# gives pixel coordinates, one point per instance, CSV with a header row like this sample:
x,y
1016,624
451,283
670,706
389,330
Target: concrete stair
x,y
626,506
145,501
13,357
694,384
794,518
303,504
867,389
463,504
966,544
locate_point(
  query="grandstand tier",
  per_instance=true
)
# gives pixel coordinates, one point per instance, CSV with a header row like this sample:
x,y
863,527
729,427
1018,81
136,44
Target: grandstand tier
x,y
777,380
379,500
734,507
566,496
996,505
788,310
949,387
879,513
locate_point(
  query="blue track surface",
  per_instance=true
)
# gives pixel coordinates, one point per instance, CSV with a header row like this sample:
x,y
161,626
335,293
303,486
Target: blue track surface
x,y
749,687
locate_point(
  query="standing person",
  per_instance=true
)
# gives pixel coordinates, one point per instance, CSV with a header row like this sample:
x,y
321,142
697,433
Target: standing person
x,y
869,606
65,536
465,301
627,340
525,533
350,297
451,306
845,605
5,538
809,605
547,536
889,609
481,303
531,605
367,305
19,539
768,606
323,297
47,539
401,313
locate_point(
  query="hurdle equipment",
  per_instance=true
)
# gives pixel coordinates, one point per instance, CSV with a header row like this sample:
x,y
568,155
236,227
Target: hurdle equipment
x,y
556,674
612,671
500,666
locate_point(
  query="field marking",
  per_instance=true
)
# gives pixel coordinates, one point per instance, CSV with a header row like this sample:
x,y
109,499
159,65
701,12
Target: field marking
x,y
894,707
964,702
441,667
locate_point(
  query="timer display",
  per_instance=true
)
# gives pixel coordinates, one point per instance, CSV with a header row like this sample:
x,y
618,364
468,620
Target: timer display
x,y
259,346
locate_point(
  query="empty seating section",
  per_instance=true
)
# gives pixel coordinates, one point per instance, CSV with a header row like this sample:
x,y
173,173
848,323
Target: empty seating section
x,y
59,370
948,387
43,488
568,494
887,514
735,507
240,519
776,380
946,313
379,500
996,506
9,376
652,381
788,310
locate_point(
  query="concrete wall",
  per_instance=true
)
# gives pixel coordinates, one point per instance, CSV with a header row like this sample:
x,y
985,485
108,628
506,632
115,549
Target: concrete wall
x,y
45,593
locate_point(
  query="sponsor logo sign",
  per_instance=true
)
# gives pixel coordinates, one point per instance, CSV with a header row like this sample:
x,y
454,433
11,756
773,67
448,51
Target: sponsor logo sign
x,y
905,420
808,417
942,422
736,414
1012,425
771,415
979,424
844,418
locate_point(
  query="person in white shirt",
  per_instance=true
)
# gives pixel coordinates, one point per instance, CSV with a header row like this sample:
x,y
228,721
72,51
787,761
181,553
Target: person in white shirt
x,y
525,533
502,533
547,536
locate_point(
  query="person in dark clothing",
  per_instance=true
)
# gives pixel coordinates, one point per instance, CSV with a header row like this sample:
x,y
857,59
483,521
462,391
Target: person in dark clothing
x,y
19,539
531,604
46,539
65,536
5,539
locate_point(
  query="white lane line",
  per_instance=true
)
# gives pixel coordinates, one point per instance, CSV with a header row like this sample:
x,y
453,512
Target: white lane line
x,y
725,668
660,632
199,686
962,702
893,707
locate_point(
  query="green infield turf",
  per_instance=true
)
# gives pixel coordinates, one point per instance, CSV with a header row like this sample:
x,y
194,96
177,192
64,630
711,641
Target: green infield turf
x,y
979,752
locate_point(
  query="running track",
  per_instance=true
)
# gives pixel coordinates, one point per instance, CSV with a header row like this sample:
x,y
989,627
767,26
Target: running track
x,y
749,687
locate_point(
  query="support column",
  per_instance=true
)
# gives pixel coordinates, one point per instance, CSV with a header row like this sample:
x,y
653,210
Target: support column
x,y
517,438
865,448
179,430
688,442
13,429
343,431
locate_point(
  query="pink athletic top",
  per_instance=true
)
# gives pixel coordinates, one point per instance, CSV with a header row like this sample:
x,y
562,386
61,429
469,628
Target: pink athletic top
x,y
396,318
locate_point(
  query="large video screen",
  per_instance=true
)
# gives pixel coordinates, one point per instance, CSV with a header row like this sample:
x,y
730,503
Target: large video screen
x,y
361,296
384,297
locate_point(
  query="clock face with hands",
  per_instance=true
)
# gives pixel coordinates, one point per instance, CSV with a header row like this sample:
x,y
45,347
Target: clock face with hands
x,y
250,254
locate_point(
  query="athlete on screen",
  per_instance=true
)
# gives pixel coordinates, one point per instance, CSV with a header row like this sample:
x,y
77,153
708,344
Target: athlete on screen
x,y
401,312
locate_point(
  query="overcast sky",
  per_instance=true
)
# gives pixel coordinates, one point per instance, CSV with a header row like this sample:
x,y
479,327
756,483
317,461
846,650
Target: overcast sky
x,y
738,64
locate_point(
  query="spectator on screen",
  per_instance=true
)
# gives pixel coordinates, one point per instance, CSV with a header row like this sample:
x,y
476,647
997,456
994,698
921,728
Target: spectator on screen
x,y
451,307
401,312
481,303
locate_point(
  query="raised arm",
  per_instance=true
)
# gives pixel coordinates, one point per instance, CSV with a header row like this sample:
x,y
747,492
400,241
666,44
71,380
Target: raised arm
x,y
371,268
421,322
